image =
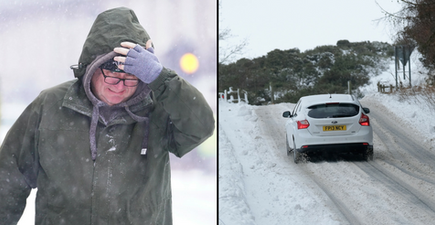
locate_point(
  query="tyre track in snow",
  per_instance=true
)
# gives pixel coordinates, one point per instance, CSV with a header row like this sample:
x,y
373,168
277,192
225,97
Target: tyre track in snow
x,y
341,207
410,160
394,183
396,156
403,146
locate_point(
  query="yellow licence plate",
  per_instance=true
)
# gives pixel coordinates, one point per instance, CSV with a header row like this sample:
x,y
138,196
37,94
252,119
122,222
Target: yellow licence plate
x,y
334,128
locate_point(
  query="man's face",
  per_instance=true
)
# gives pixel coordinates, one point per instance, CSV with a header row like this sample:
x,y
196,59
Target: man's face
x,y
111,94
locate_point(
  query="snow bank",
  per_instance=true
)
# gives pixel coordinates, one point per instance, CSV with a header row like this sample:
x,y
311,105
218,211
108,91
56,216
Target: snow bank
x,y
233,204
412,109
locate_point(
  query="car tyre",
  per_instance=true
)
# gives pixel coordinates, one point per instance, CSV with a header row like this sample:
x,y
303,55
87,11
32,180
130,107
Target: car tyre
x,y
368,155
287,147
296,154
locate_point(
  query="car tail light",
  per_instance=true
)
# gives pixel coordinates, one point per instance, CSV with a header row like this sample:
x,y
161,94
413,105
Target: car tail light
x,y
364,120
303,124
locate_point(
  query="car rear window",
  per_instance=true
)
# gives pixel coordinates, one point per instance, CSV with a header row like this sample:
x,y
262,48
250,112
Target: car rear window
x,y
333,110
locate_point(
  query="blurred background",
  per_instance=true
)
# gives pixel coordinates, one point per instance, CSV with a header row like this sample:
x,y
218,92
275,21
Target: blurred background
x,y
42,39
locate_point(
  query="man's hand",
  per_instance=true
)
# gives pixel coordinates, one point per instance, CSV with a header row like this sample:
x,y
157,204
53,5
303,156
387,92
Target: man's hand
x,y
138,61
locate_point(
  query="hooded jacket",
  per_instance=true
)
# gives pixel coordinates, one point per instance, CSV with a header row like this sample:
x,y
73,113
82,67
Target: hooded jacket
x,y
128,182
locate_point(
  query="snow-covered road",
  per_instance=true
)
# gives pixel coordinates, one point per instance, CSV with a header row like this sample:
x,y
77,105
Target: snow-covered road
x,y
260,184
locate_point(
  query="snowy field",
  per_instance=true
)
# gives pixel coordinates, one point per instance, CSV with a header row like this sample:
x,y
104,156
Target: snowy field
x,y
259,184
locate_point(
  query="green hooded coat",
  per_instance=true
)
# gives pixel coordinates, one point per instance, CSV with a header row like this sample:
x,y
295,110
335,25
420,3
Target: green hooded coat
x,y
48,147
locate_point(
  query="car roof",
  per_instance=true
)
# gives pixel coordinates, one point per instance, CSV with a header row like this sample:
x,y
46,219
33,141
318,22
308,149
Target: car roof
x,y
325,98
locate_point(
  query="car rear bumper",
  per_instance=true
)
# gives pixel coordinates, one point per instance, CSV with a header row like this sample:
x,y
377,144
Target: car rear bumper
x,y
337,148
304,137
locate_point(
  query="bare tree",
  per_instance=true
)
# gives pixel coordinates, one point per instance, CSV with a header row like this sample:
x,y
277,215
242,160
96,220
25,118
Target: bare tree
x,y
415,25
228,53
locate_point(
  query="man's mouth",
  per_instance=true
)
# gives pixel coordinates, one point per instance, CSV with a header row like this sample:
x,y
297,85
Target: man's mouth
x,y
116,92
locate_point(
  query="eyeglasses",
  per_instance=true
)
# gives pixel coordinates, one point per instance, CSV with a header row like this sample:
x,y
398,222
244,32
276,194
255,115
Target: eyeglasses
x,y
115,80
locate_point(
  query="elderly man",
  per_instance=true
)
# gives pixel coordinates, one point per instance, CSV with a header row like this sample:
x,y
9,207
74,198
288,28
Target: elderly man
x,y
97,147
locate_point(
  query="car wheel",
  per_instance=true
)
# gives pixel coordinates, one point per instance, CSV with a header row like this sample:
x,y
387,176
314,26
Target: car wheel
x,y
287,147
296,154
368,155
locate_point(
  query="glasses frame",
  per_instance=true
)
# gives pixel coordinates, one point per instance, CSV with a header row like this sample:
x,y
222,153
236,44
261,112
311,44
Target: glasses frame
x,y
119,80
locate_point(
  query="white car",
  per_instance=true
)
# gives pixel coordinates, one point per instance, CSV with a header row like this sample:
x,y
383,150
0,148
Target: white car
x,y
328,123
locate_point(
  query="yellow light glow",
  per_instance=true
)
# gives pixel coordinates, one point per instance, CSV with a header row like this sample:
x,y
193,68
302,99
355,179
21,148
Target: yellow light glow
x,y
189,63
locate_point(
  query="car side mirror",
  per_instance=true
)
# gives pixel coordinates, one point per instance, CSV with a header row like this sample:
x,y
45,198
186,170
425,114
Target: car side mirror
x,y
366,110
287,114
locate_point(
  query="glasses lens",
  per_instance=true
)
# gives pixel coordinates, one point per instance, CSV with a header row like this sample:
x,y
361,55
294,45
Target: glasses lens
x,y
111,80
131,82
115,80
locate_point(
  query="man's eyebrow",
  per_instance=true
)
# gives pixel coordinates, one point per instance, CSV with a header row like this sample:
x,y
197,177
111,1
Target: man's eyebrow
x,y
129,76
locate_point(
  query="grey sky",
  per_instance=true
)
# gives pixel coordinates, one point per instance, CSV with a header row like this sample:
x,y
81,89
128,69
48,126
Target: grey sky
x,y
286,24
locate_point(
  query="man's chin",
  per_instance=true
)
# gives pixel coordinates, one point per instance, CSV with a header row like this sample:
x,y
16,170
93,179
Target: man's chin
x,y
114,101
